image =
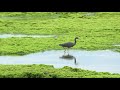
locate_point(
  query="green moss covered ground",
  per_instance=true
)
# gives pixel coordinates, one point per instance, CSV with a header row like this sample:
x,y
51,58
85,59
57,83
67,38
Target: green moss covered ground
x,y
97,31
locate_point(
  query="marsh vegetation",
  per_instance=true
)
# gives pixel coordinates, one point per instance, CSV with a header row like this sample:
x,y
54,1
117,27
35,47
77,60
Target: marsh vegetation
x,y
97,31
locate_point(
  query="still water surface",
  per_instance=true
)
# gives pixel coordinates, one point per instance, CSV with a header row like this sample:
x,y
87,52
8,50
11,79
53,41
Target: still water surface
x,y
23,35
101,60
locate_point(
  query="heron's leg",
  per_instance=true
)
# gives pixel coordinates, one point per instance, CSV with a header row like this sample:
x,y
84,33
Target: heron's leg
x,y
68,51
64,51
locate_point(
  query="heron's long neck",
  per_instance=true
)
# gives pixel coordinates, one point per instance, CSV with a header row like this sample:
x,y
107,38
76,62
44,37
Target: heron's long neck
x,y
75,41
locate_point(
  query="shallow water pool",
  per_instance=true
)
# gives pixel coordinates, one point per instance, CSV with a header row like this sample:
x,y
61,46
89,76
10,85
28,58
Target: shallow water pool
x,y
101,60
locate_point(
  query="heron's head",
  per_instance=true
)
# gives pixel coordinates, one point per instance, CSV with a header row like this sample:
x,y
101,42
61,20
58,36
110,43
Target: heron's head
x,y
76,38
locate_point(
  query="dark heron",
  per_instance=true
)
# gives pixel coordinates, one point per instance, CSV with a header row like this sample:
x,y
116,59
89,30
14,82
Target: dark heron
x,y
68,44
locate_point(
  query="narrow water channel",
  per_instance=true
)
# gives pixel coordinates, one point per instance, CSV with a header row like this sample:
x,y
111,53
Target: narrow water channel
x,y
23,35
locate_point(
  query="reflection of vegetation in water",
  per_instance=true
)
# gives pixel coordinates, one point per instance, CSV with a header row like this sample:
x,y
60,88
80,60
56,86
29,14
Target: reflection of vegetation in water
x,y
45,71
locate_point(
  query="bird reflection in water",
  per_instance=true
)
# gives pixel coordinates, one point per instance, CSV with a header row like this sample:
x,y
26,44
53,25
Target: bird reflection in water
x,y
69,57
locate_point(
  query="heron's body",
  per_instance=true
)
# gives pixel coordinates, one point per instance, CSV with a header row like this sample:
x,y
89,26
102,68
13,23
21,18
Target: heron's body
x,y
69,44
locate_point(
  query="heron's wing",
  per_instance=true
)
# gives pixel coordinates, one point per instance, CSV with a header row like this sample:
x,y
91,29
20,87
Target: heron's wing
x,y
68,44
